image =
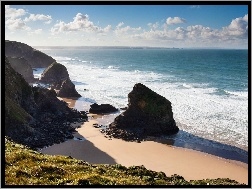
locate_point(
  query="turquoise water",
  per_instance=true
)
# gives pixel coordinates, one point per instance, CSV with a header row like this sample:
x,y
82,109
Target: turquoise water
x,y
208,89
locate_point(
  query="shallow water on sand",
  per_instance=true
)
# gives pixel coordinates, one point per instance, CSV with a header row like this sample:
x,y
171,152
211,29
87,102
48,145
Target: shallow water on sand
x,y
181,139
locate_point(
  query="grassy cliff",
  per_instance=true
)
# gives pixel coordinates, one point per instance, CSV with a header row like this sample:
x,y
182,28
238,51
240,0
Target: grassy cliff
x,y
24,166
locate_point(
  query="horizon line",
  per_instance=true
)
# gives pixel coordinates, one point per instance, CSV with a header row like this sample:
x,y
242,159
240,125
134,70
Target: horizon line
x,y
134,47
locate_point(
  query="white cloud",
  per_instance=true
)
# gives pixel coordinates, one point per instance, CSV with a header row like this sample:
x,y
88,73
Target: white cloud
x,y
119,25
175,20
108,28
238,27
13,13
14,24
122,31
153,26
38,31
41,17
195,6
236,31
80,23
14,21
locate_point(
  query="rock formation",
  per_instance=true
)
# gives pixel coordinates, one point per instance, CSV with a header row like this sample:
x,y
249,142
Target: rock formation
x,y
22,66
35,58
57,76
35,116
67,89
148,114
102,109
54,74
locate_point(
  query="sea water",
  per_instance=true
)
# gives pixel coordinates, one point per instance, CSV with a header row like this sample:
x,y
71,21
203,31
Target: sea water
x,y
208,88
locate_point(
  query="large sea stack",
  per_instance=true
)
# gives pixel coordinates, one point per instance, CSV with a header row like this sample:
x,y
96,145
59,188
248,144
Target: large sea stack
x,y
148,114
57,76
54,74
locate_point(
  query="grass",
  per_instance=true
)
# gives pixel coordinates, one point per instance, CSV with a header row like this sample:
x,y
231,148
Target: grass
x,y
24,166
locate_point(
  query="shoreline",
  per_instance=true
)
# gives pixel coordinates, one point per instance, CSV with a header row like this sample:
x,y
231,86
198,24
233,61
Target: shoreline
x,y
191,164
181,139
92,146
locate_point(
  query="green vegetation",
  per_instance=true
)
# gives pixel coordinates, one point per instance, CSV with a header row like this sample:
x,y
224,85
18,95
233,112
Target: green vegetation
x,y
15,112
152,103
24,166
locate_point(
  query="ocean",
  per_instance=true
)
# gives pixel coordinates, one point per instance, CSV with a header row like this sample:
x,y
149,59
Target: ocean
x,y
208,88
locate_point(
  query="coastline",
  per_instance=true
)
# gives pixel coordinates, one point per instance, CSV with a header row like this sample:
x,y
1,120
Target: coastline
x,y
90,145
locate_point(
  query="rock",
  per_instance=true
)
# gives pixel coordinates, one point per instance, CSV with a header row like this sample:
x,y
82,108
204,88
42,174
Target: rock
x,y
67,89
34,116
57,76
22,66
148,114
35,58
102,109
54,74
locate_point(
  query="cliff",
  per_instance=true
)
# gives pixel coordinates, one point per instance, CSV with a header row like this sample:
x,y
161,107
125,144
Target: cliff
x,y
35,58
34,116
22,66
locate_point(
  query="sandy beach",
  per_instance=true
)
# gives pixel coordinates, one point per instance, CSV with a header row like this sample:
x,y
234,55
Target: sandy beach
x,y
191,164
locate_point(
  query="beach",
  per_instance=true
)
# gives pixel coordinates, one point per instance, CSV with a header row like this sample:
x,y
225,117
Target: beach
x,y
90,145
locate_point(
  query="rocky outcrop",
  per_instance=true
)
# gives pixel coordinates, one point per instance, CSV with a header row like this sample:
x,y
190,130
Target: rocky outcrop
x,y
67,89
57,76
35,116
148,114
22,66
35,58
54,74
102,109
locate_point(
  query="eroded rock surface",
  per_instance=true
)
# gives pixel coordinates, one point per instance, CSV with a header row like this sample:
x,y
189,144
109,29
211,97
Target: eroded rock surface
x,y
67,89
57,76
148,114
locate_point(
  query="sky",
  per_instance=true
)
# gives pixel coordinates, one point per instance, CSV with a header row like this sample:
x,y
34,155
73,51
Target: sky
x,y
179,26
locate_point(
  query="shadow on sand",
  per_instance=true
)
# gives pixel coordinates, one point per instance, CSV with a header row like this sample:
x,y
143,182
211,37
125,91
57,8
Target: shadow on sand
x,y
190,141
81,149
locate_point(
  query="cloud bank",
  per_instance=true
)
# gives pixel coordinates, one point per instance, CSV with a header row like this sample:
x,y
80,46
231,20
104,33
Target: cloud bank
x,y
165,32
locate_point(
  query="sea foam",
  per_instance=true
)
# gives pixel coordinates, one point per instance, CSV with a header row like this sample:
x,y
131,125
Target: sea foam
x,y
202,111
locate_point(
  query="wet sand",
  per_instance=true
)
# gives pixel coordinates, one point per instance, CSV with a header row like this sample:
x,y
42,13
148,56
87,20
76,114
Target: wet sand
x,y
156,156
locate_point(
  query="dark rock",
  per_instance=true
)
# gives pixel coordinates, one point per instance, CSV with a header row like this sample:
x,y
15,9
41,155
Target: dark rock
x,y
67,89
57,76
54,74
148,114
102,109
35,58
22,66
34,116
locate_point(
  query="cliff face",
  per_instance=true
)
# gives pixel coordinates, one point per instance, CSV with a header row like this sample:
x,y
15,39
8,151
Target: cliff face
x,y
22,66
148,114
35,58
34,116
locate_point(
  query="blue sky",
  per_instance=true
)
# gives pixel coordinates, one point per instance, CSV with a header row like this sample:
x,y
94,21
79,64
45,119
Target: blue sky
x,y
221,26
